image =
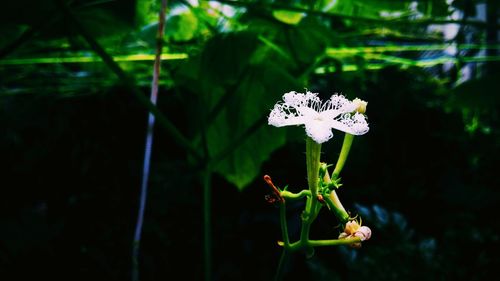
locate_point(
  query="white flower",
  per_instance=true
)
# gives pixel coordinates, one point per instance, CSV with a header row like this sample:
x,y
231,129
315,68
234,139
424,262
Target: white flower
x,y
319,118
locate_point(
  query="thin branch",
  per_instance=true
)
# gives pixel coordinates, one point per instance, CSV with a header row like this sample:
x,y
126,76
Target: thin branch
x,y
149,144
129,81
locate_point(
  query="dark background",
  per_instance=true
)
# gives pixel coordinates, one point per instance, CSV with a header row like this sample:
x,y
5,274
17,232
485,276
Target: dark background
x,y
424,178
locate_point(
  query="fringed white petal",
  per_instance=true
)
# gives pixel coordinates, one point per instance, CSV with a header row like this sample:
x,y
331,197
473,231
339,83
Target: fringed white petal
x,y
318,129
319,118
354,124
340,103
306,111
282,115
294,109
331,114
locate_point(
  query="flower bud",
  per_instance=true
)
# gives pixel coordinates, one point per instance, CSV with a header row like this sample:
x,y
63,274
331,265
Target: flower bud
x,y
366,231
361,105
363,233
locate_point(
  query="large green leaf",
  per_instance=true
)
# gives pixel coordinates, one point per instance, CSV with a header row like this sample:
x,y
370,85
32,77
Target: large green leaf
x,y
225,58
228,73
308,40
295,46
259,90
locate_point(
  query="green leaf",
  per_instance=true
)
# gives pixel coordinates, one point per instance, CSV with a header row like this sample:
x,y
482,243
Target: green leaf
x,y
257,94
227,70
368,8
182,27
225,57
146,12
308,40
288,17
374,8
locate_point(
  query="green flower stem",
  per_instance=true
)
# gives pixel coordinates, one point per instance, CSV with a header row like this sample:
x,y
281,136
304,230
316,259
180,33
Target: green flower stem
x,y
299,245
344,152
284,227
313,207
286,243
306,222
334,242
313,151
316,210
334,204
289,195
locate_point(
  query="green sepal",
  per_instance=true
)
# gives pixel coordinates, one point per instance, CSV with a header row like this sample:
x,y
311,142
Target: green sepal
x,y
329,186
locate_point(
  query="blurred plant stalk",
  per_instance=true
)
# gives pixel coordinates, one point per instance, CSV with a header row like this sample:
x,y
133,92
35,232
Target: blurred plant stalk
x,y
149,144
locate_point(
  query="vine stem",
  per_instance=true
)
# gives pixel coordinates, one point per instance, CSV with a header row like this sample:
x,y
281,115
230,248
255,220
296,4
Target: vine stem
x,y
334,203
284,227
312,208
313,151
344,152
286,242
149,144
